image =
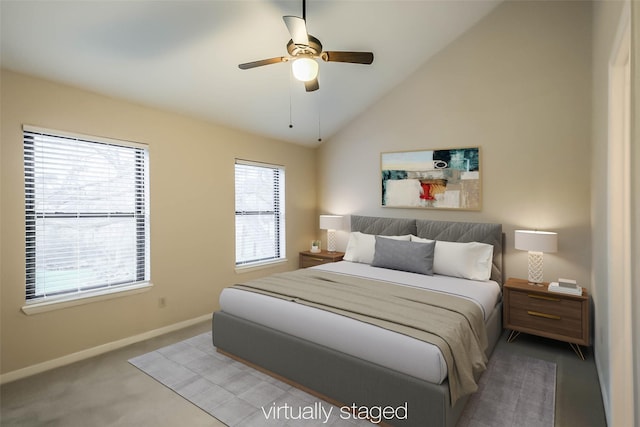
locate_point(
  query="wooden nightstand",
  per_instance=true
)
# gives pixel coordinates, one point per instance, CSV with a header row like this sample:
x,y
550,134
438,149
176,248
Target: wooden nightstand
x,y
534,310
309,259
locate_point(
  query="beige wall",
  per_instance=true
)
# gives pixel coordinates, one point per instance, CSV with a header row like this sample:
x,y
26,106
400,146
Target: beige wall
x,y
192,216
518,85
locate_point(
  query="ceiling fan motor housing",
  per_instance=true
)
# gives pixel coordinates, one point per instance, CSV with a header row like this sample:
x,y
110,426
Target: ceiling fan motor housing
x,y
314,48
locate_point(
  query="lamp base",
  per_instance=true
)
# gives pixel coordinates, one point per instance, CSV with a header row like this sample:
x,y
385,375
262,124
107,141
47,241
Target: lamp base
x,y
535,268
331,240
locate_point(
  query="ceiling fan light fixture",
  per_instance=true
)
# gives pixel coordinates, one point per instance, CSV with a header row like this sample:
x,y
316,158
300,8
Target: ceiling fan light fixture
x,y
305,69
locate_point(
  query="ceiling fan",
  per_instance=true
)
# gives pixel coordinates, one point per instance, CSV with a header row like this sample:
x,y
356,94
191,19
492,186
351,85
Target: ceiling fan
x,y
304,50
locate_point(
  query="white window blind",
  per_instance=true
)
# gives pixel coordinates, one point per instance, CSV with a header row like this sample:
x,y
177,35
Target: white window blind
x,y
87,213
260,219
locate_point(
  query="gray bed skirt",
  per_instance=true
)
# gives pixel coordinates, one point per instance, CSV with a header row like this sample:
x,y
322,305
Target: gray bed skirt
x,y
343,378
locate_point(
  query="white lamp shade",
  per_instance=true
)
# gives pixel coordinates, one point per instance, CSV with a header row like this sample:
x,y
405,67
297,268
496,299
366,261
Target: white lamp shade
x,y
330,222
305,69
536,241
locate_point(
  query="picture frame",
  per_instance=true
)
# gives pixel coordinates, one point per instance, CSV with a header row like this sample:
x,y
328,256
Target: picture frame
x,y
447,178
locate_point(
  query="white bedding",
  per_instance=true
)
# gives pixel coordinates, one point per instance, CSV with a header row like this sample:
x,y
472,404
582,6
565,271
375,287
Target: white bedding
x,y
383,347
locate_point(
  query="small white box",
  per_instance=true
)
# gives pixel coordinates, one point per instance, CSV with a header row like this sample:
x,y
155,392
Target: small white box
x,y
555,287
567,283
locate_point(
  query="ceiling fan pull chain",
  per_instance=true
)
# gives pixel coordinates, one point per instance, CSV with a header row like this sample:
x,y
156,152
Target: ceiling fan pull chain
x,y
290,102
319,128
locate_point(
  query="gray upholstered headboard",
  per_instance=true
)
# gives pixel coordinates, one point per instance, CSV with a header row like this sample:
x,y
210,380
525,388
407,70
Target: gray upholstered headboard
x,y
437,230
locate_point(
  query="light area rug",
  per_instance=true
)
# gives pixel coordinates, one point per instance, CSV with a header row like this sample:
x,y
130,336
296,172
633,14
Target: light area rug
x,y
516,390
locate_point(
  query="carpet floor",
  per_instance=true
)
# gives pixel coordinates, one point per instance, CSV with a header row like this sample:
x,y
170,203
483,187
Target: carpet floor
x,y
516,390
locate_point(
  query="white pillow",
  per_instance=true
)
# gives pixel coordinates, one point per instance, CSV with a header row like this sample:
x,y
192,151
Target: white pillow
x,y
362,247
470,260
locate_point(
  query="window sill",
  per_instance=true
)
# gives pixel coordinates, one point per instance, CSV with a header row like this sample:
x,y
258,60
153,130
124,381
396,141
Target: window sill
x,y
84,298
253,267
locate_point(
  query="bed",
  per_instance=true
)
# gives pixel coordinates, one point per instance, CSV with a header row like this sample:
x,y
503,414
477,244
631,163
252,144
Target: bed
x,y
357,362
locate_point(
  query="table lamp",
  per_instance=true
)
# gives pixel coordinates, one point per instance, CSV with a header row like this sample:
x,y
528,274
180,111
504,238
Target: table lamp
x,y
331,223
536,242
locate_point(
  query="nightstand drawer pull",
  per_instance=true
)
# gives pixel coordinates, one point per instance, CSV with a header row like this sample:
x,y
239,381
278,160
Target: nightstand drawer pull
x,y
543,297
316,259
545,315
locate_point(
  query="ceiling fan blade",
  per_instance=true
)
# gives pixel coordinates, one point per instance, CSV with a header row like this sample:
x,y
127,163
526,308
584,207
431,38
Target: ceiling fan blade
x,y
298,29
352,57
311,85
262,62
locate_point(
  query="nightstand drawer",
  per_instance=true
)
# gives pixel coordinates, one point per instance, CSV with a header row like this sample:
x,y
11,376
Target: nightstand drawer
x,y
310,261
548,321
549,304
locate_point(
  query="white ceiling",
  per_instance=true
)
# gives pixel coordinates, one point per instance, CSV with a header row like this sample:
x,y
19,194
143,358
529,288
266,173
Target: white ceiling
x,y
183,56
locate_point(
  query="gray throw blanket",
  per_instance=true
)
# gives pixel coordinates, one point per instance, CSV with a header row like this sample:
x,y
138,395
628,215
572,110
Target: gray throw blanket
x,y
455,325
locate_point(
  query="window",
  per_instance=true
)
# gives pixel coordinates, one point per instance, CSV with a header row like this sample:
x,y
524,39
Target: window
x,y
87,214
259,213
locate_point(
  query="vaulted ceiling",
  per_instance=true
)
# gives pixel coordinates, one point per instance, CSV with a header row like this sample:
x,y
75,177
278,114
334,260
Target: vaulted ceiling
x,y
183,56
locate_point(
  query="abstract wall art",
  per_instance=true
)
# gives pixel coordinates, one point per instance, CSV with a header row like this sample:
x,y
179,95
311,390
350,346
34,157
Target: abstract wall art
x,y
435,179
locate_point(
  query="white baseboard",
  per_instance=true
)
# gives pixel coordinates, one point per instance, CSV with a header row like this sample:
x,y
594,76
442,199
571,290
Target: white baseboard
x,y
95,351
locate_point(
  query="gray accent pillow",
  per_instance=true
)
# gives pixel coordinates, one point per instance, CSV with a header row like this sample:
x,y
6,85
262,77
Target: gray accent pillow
x,y
415,257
